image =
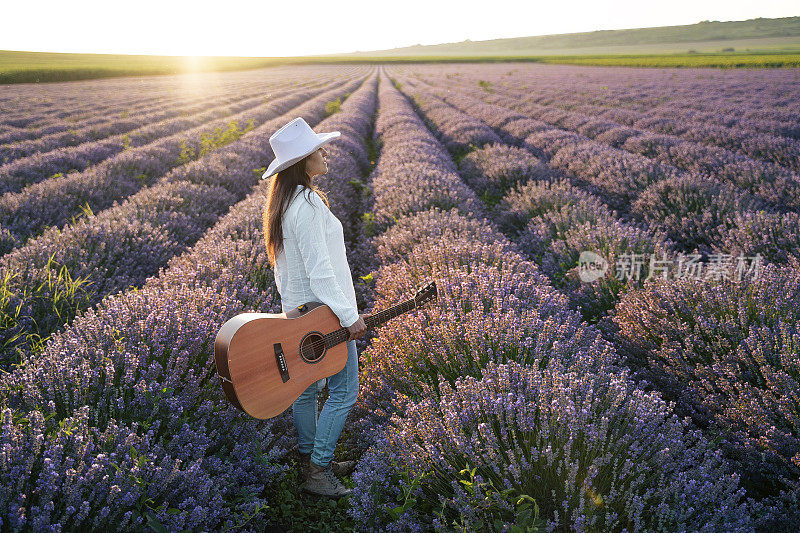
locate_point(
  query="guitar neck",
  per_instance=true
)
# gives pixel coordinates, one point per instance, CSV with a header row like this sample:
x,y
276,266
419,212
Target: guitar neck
x,y
372,321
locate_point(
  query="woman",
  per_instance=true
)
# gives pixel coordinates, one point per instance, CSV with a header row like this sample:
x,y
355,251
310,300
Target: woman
x,y
305,247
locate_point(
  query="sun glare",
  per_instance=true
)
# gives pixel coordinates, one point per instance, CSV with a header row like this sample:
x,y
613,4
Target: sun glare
x,y
192,63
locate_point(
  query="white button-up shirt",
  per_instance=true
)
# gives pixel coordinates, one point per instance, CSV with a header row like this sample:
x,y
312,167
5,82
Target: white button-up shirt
x,y
312,266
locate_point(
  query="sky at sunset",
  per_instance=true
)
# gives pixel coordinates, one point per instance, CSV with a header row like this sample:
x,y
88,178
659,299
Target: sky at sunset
x,y
270,28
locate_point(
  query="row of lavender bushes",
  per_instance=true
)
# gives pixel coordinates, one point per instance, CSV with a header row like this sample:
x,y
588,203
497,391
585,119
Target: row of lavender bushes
x,y
536,206
115,132
117,120
54,124
777,185
27,116
121,423
110,103
733,382
33,110
55,201
759,101
697,213
69,270
18,174
495,405
41,166
56,132
740,137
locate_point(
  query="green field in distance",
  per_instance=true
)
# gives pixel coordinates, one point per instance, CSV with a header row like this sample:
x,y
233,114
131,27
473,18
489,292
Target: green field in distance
x,y
755,43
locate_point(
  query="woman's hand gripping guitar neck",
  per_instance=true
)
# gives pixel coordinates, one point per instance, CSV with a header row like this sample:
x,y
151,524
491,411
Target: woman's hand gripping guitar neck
x,y
358,329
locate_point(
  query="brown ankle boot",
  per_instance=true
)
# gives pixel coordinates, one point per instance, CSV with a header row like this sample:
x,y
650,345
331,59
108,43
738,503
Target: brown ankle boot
x,y
343,468
322,482
340,468
305,458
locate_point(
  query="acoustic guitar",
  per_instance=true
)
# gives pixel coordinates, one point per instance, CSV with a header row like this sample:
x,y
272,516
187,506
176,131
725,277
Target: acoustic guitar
x,y
266,360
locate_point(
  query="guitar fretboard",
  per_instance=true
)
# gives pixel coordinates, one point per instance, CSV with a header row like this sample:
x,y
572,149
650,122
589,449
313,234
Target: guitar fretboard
x,y
341,335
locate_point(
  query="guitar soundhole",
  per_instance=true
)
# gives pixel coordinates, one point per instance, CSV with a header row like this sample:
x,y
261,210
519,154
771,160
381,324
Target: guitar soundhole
x,y
312,348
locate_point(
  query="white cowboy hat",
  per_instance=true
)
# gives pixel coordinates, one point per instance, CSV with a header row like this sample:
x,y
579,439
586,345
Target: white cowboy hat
x,y
292,142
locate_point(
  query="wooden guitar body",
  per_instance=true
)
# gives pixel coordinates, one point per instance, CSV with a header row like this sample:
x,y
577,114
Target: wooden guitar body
x,y
266,360
253,380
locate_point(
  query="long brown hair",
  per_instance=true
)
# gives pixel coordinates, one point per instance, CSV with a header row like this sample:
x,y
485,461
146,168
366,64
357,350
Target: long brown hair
x,y
279,193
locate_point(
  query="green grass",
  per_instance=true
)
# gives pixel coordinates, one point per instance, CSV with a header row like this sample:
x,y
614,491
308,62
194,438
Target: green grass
x,y
754,43
760,34
38,67
31,67
30,313
292,510
333,106
212,140
688,60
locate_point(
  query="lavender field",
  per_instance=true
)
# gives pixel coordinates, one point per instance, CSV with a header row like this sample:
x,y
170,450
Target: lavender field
x,y
614,346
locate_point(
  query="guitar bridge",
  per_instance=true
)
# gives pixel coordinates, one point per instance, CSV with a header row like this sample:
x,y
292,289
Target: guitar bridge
x,y
281,360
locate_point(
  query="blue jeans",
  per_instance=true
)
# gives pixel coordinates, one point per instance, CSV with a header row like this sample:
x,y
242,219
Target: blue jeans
x,y
319,435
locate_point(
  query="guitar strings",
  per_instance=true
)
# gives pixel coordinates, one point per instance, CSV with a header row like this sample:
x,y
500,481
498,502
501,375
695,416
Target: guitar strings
x,y
315,344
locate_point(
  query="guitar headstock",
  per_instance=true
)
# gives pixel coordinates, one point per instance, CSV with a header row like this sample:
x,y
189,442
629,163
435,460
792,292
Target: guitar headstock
x,y
426,293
